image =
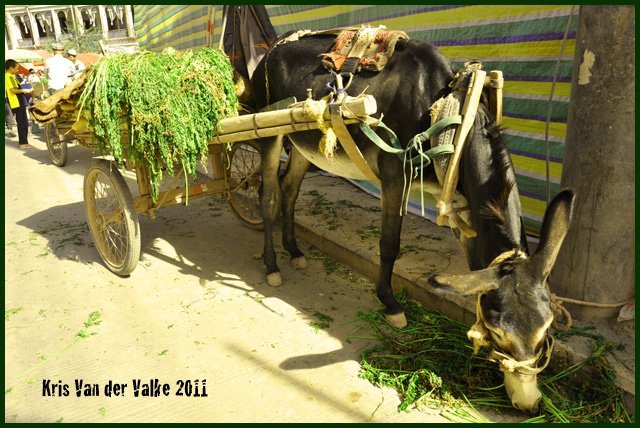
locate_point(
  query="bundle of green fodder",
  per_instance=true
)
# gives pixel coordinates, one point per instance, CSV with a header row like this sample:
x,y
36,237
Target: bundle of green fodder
x,y
430,363
169,103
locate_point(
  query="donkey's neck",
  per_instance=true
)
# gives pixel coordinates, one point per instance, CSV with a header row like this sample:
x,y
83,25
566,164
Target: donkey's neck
x,y
489,183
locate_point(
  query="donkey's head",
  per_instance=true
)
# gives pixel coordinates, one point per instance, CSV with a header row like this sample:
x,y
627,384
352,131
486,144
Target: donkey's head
x,y
513,308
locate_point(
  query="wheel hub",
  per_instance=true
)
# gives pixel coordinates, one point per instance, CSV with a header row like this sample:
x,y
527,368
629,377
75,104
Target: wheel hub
x,y
101,220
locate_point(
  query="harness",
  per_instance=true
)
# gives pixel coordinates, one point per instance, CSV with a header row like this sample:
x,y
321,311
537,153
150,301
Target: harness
x,y
369,48
447,141
450,123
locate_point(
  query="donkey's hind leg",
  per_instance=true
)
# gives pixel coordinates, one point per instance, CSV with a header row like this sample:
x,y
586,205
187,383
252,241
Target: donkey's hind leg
x,y
270,203
290,186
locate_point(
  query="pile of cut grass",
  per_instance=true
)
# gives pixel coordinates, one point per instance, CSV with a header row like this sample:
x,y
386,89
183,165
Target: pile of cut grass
x,y
169,103
430,363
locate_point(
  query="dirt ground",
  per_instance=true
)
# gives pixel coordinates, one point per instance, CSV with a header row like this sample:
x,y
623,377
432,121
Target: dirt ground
x,y
196,308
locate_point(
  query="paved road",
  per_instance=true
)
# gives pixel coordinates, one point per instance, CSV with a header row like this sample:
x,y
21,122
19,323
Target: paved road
x,y
195,308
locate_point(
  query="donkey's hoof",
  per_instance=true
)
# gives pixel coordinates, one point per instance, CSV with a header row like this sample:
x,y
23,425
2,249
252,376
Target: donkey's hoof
x,y
274,279
299,263
397,320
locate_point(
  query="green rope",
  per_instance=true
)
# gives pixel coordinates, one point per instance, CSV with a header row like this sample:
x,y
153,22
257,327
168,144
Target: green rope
x,y
422,159
415,143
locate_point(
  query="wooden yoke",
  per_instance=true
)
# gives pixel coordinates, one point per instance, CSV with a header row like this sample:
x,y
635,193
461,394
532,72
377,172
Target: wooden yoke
x,y
495,82
469,110
286,120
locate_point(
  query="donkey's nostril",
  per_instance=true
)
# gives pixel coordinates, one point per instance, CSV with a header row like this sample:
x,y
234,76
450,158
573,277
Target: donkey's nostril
x,y
434,281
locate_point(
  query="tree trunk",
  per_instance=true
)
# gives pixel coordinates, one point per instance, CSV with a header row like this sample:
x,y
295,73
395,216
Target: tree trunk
x,y
597,260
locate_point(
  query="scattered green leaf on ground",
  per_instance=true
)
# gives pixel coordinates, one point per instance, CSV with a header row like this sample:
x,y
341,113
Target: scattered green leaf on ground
x,y
324,321
11,311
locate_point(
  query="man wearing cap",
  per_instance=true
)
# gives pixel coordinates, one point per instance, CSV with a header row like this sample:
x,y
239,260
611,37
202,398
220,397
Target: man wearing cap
x,y
59,69
72,54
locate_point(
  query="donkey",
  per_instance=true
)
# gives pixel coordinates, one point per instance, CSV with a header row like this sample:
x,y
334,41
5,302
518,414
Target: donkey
x,y
515,305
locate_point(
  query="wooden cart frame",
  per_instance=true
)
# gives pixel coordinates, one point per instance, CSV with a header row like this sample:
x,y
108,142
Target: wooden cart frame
x,y
112,211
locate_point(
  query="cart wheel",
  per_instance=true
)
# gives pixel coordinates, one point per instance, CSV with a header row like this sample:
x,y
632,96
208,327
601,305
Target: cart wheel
x,y
111,217
245,174
57,149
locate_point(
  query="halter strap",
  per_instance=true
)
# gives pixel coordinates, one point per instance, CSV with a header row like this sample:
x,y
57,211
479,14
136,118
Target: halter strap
x,y
528,367
516,253
479,332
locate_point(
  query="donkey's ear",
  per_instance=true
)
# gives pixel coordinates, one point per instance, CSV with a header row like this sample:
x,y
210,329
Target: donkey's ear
x,y
555,225
474,282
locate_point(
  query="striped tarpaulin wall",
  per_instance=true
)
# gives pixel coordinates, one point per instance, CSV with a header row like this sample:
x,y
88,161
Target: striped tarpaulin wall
x,y
525,42
180,27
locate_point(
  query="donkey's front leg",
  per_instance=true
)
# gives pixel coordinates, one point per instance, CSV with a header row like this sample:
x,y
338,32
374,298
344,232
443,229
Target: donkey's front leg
x,y
391,201
290,186
270,204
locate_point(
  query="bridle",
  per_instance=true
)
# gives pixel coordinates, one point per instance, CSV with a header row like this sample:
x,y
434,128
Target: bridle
x,y
531,366
479,332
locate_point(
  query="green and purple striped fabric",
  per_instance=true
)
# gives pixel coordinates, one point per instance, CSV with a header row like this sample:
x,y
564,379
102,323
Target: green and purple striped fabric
x,y
180,27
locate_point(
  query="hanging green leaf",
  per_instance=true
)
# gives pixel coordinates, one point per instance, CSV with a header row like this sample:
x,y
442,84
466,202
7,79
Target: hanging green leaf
x,y
169,104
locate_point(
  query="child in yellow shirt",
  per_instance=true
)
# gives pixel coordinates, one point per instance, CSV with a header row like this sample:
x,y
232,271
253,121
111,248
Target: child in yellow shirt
x,y
17,101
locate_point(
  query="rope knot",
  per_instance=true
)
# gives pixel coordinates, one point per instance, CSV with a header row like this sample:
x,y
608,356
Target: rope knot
x,y
444,209
509,365
329,142
478,333
526,367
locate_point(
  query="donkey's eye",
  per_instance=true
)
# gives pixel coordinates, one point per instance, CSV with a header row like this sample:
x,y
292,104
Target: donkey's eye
x,y
498,332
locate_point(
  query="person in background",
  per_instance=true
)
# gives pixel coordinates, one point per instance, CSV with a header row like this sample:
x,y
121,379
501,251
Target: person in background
x,y
17,101
45,84
37,83
72,55
9,121
27,83
33,77
59,70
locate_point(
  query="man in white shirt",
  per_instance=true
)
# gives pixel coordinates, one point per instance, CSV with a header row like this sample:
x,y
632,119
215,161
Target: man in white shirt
x,y
59,69
72,54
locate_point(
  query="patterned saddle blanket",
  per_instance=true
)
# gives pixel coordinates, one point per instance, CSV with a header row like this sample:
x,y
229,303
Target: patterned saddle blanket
x,y
367,48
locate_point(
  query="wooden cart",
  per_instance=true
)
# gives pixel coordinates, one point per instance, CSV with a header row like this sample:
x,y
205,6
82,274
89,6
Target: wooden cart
x,y
112,211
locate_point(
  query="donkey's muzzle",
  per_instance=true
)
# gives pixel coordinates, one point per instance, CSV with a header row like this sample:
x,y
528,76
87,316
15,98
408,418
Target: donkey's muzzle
x,y
521,377
523,390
